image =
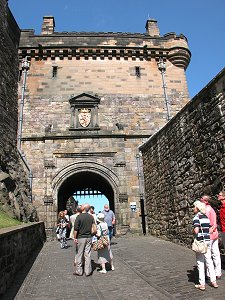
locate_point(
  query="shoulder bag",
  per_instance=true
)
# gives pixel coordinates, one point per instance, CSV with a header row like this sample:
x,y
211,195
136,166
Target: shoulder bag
x,y
199,246
101,242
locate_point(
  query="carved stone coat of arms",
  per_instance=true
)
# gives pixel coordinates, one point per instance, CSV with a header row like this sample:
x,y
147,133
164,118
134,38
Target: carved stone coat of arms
x,y
84,117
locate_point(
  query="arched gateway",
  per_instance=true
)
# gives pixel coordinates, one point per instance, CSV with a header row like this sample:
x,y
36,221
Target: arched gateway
x,y
88,175
85,175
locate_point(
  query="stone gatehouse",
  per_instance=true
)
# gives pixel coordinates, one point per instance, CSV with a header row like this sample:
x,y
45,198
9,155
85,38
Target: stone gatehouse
x,y
91,100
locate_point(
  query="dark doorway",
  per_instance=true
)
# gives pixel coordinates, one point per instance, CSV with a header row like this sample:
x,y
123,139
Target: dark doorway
x,y
81,181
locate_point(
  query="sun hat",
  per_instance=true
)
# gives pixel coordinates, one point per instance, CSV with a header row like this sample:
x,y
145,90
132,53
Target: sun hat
x,y
100,217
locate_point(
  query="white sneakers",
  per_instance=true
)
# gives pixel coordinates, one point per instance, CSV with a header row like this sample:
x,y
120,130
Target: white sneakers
x,y
104,270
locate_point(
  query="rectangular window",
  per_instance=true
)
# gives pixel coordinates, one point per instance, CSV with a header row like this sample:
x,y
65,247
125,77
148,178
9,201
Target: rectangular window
x,y
54,71
137,72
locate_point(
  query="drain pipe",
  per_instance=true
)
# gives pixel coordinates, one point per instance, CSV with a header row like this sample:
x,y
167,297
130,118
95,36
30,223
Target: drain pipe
x,y
162,69
141,193
25,68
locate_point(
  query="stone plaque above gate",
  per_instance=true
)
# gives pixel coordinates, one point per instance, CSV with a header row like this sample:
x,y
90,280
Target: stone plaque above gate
x,y
84,112
123,198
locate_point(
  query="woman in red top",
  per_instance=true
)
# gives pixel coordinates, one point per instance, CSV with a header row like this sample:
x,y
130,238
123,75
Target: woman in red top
x,y
221,198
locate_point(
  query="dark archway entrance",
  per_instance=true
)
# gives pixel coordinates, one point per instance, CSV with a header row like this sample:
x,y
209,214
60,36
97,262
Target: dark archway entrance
x,y
84,180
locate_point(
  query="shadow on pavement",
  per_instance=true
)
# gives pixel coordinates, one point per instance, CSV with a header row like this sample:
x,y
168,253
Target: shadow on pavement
x,y
94,265
223,261
20,277
113,243
193,275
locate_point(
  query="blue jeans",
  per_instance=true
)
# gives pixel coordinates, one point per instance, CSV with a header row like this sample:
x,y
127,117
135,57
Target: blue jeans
x,y
110,228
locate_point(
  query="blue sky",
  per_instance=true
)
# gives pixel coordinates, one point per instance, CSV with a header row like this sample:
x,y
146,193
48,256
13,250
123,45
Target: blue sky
x,y
97,202
201,21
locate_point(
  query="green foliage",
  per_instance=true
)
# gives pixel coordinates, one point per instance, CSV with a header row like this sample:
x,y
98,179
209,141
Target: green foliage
x,y
6,220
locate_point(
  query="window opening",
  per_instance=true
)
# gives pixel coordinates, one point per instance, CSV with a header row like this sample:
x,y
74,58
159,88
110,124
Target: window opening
x,y
54,71
137,72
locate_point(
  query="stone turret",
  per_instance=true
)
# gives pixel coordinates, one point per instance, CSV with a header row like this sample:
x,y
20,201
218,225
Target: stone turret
x,y
152,28
48,25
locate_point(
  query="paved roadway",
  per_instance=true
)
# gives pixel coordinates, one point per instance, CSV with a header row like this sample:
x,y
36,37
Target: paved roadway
x,y
145,268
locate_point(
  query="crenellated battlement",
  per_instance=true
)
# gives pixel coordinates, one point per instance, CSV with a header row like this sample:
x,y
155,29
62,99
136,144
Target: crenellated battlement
x,y
180,57
104,45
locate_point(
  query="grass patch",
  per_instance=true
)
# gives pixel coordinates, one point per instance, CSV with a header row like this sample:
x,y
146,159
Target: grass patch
x,y
6,220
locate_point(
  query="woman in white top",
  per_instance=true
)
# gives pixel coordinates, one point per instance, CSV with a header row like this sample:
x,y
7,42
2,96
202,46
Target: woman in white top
x,y
105,254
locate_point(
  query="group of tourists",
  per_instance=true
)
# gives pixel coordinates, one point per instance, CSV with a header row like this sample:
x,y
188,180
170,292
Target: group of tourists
x,y
206,233
89,232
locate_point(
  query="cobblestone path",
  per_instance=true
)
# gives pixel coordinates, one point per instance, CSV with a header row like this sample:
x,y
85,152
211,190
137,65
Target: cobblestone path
x,y
145,268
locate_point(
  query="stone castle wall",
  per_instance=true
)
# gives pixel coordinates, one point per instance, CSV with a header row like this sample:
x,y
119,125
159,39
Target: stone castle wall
x,y
122,94
184,160
14,189
9,41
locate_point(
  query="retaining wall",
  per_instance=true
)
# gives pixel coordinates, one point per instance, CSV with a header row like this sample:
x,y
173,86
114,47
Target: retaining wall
x,y
17,244
184,160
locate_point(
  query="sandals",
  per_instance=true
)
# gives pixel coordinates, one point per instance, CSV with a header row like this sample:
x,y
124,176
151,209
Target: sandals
x,y
200,287
214,284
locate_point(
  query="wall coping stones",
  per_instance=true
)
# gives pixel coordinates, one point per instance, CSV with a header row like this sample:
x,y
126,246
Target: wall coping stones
x,y
13,229
194,102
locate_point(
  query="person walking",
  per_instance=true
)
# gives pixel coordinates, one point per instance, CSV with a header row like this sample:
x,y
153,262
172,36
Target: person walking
x,y
83,238
105,254
62,225
221,198
214,242
201,225
109,219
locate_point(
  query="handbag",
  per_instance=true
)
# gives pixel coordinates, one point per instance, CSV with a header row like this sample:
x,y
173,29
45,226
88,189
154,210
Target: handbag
x,y
101,242
104,238
105,241
199,246
98,245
